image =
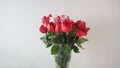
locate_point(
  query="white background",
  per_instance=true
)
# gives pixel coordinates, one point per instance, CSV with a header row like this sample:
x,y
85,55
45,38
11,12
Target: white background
x,y
20,46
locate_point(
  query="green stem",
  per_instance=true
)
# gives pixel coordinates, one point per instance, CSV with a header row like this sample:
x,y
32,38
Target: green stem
x,y
67,37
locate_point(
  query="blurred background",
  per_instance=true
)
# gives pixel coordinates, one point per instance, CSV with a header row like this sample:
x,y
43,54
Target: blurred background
x,y
20,45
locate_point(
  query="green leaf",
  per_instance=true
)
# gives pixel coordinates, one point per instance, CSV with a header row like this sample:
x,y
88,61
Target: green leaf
x,y
81,40
80,46
51,37
48,45
71,45
49,33
43,38
75,49
56,41
59,39
54,49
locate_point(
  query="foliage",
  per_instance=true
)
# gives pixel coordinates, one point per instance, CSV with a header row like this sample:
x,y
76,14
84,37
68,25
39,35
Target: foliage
x,y
69,40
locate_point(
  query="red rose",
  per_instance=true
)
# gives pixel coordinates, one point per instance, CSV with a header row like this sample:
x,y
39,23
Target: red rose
x,y
67,26
43,29
80,24
51,27
58,27
45,20
50,15
72,24
82,32
81,28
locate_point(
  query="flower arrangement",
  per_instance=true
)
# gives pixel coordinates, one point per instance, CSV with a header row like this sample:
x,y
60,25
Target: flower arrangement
x,y
63,35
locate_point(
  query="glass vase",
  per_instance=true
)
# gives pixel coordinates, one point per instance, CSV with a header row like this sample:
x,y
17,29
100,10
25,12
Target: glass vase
x,y
63,57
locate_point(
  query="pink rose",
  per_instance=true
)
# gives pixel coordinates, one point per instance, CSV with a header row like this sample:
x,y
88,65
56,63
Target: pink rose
x,y
57,19
51,27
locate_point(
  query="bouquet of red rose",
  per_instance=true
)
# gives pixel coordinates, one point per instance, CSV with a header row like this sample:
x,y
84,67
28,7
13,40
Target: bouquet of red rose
x,y
64,35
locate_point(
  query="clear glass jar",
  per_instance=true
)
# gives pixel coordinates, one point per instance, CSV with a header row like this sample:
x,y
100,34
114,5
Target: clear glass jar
x,y
63,57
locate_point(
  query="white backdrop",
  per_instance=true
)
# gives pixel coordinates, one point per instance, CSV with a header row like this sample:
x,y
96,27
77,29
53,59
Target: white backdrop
x,y
20,46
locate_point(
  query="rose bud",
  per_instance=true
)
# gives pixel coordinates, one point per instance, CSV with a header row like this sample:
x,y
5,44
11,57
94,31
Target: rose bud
x,y
58,27
51,27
